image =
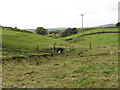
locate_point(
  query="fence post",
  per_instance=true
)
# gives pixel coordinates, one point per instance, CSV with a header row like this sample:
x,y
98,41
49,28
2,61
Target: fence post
x,y
54,48
99,45
90,46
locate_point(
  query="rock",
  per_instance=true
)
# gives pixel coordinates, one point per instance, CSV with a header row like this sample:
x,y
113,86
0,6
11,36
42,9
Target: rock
x,y
118,51
112,52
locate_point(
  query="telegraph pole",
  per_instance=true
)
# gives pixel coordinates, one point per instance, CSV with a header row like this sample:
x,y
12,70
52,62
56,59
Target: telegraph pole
x,y
82,23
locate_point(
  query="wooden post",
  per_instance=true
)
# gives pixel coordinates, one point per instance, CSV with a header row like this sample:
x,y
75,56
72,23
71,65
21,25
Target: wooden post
x,y
54,48
99,45
90,46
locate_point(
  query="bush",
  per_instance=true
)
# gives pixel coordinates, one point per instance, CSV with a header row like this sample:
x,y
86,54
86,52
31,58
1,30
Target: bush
x,y
69,32
15,29
118,24
41,30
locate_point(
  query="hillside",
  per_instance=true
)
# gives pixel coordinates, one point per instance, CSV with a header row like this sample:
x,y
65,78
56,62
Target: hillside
x,y
14,39
107,25
27,60
33,40
104,36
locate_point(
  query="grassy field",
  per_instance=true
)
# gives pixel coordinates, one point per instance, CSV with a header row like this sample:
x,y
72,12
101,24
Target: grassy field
x,y
77,67
90,31
21,40
98,39
95,68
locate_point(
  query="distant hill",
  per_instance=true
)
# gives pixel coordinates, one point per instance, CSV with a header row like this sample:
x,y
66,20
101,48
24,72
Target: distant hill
x,y
49,29
59,28
63,28
107,25
32,30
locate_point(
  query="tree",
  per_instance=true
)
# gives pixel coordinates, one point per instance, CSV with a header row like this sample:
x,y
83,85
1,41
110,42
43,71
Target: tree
x,y
69,32
118,24
41,30
15,27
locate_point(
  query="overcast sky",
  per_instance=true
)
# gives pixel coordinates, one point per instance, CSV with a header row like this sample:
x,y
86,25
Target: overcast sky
x,y
57,13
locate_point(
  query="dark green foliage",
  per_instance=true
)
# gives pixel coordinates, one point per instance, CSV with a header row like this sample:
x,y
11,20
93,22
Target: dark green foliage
x,y
118,24
41,30
69,32
15,29
55,32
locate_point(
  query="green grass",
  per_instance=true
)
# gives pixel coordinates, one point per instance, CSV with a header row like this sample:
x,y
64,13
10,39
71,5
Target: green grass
x,y
80,68
13,39
93,69
90,31
98,39
21,44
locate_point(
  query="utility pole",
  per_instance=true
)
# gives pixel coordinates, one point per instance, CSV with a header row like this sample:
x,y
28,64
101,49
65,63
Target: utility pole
x,y
82,23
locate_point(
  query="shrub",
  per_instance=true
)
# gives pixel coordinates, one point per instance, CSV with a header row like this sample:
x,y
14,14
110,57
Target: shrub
x,y
41,30
15,29
118,24
69,32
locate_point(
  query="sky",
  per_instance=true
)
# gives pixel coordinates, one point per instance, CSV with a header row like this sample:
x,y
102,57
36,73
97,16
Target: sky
x,y
57,13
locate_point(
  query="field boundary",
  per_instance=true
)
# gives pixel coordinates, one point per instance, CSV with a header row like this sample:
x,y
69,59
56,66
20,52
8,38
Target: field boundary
x,y
93,34
100,33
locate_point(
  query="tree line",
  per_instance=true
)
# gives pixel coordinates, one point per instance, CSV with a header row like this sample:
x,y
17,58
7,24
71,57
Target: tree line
x,y
67,32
